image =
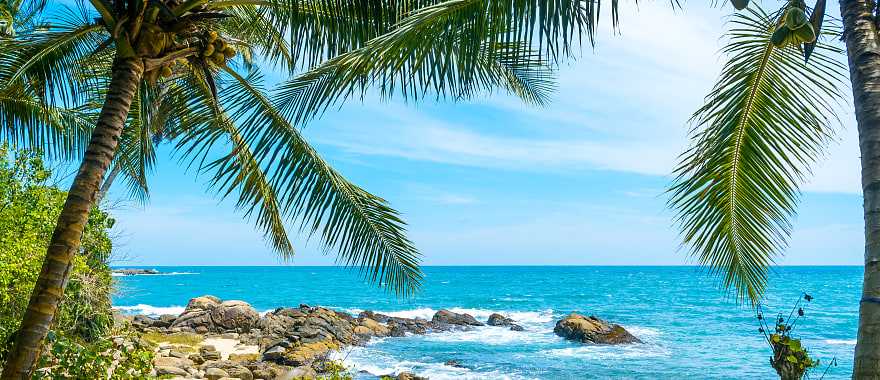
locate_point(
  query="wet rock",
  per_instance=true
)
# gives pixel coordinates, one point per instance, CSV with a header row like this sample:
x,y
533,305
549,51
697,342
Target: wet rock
x,y
498,320
591,329
454,363
446,317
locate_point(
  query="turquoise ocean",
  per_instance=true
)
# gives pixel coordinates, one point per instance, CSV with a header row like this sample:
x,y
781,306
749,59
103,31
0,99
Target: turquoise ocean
x,y
691,328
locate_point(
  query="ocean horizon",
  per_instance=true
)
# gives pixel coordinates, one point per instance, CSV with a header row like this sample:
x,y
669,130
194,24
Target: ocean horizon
x,y
689,326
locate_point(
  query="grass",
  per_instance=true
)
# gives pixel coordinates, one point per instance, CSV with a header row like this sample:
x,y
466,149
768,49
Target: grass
x,y
184,339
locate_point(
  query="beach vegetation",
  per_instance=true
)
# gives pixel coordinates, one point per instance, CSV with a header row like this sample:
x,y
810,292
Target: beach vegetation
x,y
29,206
790,359
182,338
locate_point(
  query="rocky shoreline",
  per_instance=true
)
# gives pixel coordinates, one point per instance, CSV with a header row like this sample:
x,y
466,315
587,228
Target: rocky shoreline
x,y
215,339
133,271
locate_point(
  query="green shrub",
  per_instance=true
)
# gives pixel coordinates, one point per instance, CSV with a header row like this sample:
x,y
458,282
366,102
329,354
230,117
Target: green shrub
x,y
29,208
122,358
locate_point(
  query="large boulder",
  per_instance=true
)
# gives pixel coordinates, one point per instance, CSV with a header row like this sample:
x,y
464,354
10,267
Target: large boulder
x,y
591,329
197,315
446,317
234,316
210,314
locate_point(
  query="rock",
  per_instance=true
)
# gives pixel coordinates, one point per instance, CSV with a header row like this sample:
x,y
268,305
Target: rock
x,y
591,329
499,320
134,271
170,371
215,373
409,376
370,327
232,369
197,314
298,373
275,354
196,358
446,317
234,315
240,372
166,361
454,363
208,352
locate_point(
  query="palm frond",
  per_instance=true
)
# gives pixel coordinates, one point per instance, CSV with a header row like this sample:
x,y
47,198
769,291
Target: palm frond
x,y
364,231
767,119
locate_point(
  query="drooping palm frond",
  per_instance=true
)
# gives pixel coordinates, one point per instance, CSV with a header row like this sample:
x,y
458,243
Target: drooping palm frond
x,y
767,119
283,177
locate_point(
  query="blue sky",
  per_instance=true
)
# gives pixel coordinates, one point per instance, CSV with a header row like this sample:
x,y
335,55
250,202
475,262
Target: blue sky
x,y
494,181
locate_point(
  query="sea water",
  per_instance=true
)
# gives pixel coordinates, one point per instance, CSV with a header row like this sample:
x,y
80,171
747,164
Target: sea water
x,y
690,327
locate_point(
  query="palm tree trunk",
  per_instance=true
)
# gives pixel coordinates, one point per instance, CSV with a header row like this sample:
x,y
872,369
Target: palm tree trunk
x,y
107,184
67,237
863,50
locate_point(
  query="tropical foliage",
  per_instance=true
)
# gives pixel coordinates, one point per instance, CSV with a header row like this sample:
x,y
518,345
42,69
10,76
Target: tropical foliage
x,y
29,206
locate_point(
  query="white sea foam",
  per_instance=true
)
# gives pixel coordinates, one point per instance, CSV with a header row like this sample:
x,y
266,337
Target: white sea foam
x,y
521,317
610,352
378,363
149,274
155,311
494,336
848,342
150,310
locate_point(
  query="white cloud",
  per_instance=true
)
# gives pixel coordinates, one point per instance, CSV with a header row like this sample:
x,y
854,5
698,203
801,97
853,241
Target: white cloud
x,y
623,107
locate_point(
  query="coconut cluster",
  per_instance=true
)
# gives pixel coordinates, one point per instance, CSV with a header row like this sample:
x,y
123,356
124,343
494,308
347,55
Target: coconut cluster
x,y
217,50
794,28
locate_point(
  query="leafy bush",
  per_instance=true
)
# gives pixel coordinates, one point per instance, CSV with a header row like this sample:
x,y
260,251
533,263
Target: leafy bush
x,y
122,358
29,208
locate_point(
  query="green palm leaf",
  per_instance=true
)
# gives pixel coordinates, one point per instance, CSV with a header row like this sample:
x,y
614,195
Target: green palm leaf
x,y
765,121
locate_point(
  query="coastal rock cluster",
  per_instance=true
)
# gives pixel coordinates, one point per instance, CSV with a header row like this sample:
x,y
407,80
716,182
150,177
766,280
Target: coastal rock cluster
x,y
295,342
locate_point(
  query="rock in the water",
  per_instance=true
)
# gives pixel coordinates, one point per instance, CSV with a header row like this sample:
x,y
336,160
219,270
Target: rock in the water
x,y
498,320
454,363
446,317
591,329
134,271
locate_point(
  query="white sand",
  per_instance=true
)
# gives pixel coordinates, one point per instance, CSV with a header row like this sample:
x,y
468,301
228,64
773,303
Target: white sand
x,y
228,346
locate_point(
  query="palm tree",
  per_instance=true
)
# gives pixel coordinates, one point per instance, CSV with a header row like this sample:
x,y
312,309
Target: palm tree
x,y
184,52
768,118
